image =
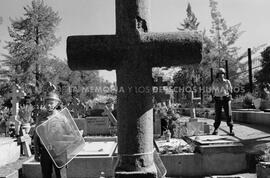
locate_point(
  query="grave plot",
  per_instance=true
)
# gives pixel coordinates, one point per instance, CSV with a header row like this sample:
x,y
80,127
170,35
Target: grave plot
x,y
9,149
97,157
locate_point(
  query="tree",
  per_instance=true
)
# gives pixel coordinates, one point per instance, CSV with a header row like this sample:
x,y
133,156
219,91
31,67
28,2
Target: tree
x,y
190,22
262,76
219,46
224,37
33,36
185,77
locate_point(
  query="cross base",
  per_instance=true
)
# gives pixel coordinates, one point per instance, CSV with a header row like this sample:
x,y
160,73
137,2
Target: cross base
x,y
142,174
134,175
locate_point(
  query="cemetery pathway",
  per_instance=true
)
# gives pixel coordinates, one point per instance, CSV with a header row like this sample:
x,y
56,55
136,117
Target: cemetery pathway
x,y
249,134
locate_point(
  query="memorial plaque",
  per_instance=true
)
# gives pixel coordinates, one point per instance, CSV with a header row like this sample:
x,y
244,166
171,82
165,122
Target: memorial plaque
x,y
98,125
61,137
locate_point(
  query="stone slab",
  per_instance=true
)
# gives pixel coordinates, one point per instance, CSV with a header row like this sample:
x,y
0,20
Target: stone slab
x,y
32,169
263,170
252,117
174,145
200,165
98,125
214,140
9,149
81,124
12,170
100,148
79,167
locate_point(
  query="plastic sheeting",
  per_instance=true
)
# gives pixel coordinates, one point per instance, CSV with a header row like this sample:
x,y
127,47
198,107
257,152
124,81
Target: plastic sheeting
x,y
61,137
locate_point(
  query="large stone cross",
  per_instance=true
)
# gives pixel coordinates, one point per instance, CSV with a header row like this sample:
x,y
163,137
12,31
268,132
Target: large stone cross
x,y
133,51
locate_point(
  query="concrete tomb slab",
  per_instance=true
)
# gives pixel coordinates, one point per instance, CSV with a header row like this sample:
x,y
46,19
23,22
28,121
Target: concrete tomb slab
x,y
105,148
96,157
214,140
9,149
173,146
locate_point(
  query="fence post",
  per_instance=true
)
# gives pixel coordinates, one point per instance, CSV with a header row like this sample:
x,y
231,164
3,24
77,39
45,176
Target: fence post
x,y
250,71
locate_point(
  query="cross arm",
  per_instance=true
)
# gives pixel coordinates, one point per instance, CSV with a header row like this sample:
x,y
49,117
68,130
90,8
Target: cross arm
x,y
93,52
170,49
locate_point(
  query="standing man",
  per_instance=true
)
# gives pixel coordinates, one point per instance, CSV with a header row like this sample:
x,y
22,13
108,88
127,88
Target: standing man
x,y
222,90
41,154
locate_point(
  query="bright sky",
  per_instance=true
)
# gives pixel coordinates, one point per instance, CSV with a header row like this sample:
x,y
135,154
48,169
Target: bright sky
x,y
87,17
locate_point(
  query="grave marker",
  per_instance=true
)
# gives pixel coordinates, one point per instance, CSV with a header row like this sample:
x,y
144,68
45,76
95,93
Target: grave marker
x,y
133,51
25,141
17,93
98,125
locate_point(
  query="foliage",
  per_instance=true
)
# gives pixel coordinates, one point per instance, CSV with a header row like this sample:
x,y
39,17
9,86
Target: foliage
x,y
188,75
219,46
248,101
190,22
262,77
32,37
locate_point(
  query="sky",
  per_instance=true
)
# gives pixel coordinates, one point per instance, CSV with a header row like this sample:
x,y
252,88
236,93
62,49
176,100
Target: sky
x,y
92,17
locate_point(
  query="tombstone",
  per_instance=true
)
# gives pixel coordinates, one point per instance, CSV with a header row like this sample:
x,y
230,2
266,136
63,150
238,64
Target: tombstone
x,y
98,125
133,51
160,94
16,94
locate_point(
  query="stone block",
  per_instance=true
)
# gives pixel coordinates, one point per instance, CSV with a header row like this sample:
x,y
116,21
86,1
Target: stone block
x,y
195,128
79,167
9,149
98,125
32,169
81,124
187,164
263,170
252,117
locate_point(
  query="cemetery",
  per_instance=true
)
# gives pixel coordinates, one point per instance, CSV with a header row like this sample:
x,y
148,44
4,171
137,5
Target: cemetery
x,y
150,125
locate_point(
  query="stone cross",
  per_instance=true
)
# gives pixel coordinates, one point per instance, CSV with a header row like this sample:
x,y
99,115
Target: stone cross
x,y
17,94
133,51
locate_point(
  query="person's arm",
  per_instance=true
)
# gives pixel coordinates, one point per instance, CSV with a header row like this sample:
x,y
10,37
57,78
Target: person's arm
x,y
213,90
229,87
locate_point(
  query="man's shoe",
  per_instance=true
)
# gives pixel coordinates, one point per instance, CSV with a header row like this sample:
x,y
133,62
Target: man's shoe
x,y
215,132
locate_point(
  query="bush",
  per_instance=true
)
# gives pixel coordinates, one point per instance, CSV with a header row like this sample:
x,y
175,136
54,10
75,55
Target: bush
x,y
248,101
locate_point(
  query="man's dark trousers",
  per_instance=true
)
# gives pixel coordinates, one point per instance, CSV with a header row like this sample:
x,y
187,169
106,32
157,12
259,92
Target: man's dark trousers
x,y
222,102
47,164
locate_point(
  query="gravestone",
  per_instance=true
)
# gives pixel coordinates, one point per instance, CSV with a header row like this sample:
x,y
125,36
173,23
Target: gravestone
x,y
160,94
133,51
98,125
9,150
17,94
